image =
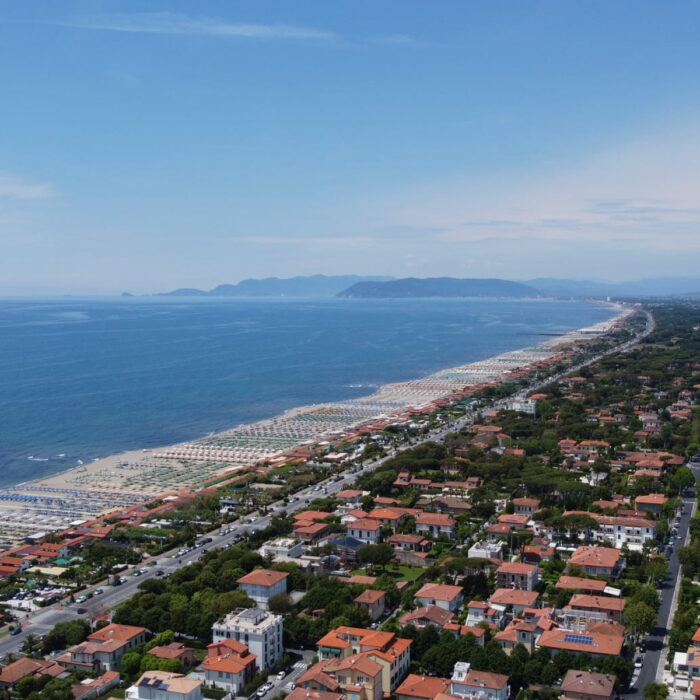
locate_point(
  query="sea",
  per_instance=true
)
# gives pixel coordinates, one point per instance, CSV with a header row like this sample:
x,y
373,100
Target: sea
x,y
82,379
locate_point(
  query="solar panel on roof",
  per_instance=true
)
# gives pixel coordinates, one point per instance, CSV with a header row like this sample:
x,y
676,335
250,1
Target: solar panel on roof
x,y
578,639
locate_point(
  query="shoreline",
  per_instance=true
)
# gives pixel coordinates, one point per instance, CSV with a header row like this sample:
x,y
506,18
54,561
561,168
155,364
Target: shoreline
x,y
91,490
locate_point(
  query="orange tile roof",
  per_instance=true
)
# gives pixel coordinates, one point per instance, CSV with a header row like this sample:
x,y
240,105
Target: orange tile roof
x,y
591,555
605,644
515,567
583,584
263,577
596,684
114,632
439,591
652,499
369,596
365,524
431,613
581,600
509,596
438,519
422,686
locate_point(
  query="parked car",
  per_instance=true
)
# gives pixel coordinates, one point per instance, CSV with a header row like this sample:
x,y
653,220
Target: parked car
x,y
281,675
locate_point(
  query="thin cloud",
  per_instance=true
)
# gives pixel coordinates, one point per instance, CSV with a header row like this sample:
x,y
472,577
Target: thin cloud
x,y
13,187
173,23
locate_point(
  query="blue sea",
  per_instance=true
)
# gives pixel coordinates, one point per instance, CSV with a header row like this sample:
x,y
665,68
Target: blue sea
x,y
85,378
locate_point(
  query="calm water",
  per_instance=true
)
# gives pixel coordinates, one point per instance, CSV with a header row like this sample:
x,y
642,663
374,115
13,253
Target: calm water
x,y
85,378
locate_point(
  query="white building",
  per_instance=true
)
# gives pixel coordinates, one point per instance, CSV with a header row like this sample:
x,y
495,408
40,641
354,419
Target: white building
x,y
486,549
263,584
160,685
259,630
620,531
282,548
467,683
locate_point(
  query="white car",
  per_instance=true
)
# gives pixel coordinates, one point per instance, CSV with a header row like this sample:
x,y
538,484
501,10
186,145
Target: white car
x,y
281,675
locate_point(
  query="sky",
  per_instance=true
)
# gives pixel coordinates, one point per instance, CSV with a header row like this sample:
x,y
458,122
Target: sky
x,y
146,146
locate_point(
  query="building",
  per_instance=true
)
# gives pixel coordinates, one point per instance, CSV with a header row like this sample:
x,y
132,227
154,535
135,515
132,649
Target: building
x,y
605,562
525,506
428,615
349,496
160,685
103,649
259,630
517,632
447,597
582,685
652,503
468,683
601,607
512,574
374,601
14,672
90,688
366,530
604,643
229,665
410,543
174,650
587,585
422,687
436,524
478,611
282,548
356,677
619,531
262,584
486,549
514,600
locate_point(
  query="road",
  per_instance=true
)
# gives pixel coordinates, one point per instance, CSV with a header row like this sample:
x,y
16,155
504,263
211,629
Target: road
x,y
655,656
43,621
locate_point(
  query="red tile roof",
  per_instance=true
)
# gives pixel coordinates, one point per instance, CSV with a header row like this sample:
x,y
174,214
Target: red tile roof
x,y
263,577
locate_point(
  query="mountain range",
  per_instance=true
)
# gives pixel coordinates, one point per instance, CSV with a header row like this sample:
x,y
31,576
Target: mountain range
x,y
357,286
312,286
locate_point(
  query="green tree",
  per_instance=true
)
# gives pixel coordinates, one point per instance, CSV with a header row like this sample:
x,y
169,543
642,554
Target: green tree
x,y
655,691
639,618
380,555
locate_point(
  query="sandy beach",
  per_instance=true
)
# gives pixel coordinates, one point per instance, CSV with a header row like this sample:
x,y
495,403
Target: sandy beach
x,y
89,490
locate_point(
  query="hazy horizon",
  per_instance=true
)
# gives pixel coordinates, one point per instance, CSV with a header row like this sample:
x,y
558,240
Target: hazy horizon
x,y
193,145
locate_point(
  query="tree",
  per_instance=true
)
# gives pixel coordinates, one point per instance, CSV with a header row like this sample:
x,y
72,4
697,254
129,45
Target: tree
x,y
379,555
281,604
655,691
683,479
656,569
639,618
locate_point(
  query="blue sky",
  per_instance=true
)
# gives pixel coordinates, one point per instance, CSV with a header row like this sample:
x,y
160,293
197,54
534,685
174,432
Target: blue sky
x,y
146,146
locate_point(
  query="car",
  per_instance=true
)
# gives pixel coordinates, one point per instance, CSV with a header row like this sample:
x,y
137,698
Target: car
x,y
160,572
81,599
260,693
15,631
281,675
99,591
143,570
81,611
639,661
123,579
136,573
